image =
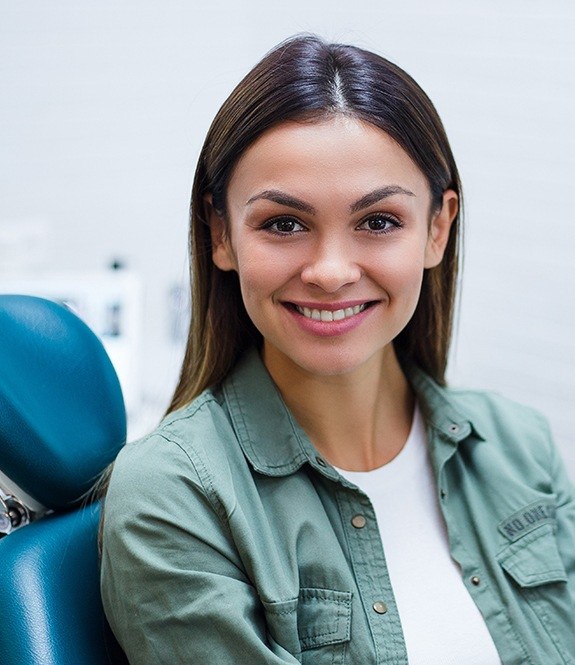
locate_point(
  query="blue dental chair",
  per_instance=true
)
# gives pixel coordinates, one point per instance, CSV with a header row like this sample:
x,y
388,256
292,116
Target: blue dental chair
x,y
62,421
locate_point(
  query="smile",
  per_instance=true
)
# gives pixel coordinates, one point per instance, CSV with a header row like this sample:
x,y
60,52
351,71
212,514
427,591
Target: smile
x,y
329,315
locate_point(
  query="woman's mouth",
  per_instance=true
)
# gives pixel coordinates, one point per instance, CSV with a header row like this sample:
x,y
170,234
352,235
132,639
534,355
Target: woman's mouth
x,y
329,315
339,319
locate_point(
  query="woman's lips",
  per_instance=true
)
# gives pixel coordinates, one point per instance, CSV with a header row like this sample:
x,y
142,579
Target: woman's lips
x,y
327,319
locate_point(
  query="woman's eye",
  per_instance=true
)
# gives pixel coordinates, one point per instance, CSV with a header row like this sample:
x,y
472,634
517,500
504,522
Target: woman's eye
x,y
283,225
379,224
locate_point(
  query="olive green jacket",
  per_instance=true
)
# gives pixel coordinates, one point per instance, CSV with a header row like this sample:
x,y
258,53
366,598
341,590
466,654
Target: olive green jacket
x,y
228,539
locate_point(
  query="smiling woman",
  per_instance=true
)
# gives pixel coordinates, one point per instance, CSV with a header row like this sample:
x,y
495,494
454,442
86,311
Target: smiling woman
x,y
352,228
316,494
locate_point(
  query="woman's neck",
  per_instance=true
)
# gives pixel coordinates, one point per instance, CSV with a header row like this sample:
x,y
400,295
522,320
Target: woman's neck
x,y
357,421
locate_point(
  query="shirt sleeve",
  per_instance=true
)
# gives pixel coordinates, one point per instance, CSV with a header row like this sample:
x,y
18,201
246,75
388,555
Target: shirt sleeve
x,y
565,497
173,584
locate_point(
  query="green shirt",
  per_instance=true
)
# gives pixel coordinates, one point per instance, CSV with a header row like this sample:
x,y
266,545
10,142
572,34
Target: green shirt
x,y
228,539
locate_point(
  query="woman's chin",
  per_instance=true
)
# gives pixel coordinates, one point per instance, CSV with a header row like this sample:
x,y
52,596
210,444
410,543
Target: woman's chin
x,y
325,364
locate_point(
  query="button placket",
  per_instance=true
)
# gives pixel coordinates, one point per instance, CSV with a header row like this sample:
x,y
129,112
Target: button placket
x,y
371,573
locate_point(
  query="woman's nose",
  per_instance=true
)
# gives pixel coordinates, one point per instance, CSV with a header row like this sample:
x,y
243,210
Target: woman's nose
x,y
331,267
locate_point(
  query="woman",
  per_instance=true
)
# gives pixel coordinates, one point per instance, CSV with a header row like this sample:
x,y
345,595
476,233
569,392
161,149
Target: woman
x,y
316,494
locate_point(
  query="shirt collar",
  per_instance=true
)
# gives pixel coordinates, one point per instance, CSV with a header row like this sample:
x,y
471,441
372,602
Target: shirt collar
x,y
276,445
444,409
270,437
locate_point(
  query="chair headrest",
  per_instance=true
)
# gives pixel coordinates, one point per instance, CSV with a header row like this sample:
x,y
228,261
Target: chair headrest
x,y
62,415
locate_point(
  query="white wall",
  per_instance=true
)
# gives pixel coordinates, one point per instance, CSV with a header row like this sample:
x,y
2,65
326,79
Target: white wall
x,y
104,107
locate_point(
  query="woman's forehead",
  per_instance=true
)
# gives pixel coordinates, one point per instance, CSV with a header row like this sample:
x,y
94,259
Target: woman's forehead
x,y
339,151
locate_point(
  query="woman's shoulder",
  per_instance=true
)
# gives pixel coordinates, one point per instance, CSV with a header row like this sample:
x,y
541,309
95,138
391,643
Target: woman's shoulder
x,y
484,402
492,432
508,424
482,409
193,444
513,431
492,411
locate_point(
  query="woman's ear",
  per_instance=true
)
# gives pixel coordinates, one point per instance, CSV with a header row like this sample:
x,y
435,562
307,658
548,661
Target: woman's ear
x,y
439,229
222,254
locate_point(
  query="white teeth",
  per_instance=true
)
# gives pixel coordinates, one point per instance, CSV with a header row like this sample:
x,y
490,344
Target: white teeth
x,y
328,314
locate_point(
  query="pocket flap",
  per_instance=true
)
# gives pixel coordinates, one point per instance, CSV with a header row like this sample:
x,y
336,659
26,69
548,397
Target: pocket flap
x,y
323,617
316,618
534,559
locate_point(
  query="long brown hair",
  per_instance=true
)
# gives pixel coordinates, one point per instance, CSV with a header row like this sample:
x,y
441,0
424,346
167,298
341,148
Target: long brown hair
x,y
305,78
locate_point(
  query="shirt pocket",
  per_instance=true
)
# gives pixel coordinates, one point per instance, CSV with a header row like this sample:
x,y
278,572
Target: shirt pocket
x,y
534,564
315,627
534,560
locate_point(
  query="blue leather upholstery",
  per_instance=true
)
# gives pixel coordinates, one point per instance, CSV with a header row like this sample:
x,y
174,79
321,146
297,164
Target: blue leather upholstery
x,y
62,421
62,416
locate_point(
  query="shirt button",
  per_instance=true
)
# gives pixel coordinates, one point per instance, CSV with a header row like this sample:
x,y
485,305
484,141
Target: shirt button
x,y
454,428
380,607
320,461
358,521
476,581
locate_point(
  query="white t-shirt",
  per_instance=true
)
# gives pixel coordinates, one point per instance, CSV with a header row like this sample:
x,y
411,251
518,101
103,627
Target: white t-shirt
x,y
441,623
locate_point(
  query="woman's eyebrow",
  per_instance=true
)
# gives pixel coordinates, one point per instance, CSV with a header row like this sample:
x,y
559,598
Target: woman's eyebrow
x,y
378,195
283,199
277,196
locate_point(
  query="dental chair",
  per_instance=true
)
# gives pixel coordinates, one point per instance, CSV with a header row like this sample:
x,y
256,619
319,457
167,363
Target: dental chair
x,y
62,421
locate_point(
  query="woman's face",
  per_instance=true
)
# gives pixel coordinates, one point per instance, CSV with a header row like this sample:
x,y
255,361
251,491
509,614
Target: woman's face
x,y
329,229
